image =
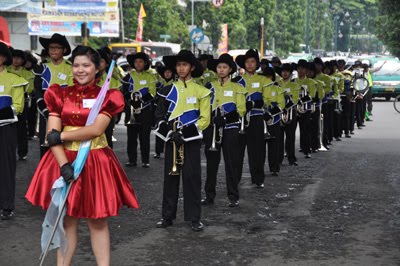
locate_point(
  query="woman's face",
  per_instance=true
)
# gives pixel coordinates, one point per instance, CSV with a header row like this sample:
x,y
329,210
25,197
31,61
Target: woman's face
x,y
223,70
56,51
251,65
167,74
103,64
183,69
84,70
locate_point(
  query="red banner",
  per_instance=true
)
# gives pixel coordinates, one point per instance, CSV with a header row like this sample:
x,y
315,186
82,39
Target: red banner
x,y
139,32
223,41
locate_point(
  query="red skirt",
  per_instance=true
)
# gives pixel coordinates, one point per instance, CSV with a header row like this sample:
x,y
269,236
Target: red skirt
x,y
101,189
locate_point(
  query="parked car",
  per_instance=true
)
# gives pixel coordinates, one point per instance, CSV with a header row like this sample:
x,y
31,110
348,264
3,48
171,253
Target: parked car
x,y
386,81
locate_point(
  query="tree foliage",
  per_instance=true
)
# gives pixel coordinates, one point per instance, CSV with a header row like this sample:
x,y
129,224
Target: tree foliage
x,y
388,24
285,22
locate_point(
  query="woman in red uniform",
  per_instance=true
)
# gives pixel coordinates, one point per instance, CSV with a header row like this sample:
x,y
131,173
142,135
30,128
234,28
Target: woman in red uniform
x,y
102,187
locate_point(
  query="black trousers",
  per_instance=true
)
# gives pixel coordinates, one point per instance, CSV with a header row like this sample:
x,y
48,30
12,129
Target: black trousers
x,y
288,143
337,120
22,132
352,115
359,112
191,182
369,100
305,132
327,122
315,129
142,131
109,132
42,135
8,165
32,117
274,148
254,140
346,115
230,142
159,145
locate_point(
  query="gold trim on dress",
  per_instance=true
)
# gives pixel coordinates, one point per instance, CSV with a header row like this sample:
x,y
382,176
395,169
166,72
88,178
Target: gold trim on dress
x,y
97,143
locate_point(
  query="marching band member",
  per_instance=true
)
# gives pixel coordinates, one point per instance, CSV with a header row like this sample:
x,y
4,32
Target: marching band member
x,y
185,107
310,87
12,89
56,71
228,103
346,96
139,88
18,68
316,115
291,91
102,187
274,103
166,78
31,63
328,70
325,108
359,113
208,74
337,114
114,84
254,136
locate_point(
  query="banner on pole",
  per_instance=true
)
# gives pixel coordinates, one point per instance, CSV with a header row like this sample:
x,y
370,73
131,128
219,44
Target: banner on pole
x,y
223,41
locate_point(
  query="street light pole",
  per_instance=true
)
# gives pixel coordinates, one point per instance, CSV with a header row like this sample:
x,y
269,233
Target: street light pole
x,y
308,27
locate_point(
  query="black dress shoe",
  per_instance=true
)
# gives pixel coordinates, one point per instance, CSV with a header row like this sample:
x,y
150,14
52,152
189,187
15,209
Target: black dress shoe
x,y
348,136
197,226
164,223
7,215
145,165
274,174
157,156
130,164
207,201
233,203
294,163
260,185
338,139
351,132
307,156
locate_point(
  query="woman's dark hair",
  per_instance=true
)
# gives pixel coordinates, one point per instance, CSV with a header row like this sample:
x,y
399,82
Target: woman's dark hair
x,y
269,72
89,52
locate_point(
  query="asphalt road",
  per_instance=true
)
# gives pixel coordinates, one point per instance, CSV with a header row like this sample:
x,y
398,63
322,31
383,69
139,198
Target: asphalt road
x,y
338,208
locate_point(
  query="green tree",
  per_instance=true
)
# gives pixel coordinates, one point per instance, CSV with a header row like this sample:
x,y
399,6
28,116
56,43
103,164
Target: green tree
x,y
388,25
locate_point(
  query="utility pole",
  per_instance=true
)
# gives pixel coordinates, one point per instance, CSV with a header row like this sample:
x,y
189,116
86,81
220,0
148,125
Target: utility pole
x,y
262,38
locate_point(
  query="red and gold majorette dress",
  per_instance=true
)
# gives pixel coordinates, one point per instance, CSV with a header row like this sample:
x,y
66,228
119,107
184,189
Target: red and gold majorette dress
x,y
102,187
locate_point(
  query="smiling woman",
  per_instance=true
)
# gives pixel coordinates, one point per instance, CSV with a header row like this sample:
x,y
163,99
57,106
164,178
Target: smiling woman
x,y
102,187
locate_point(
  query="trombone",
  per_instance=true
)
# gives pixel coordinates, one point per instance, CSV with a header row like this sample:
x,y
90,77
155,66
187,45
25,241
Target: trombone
x,y
321,133
177,152
218,112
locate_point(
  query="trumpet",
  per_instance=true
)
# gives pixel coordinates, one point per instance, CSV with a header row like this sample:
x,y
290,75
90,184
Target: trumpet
x,y
177,152
219,112
136,108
